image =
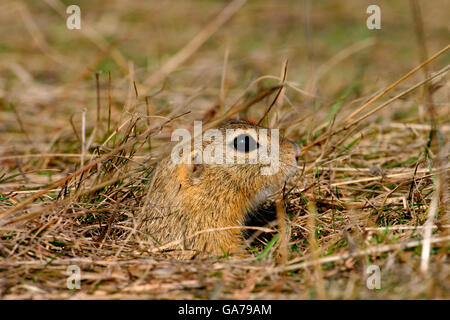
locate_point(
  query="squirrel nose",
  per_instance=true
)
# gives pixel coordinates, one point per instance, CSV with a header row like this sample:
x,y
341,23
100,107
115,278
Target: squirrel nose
x,y
298,150
298,153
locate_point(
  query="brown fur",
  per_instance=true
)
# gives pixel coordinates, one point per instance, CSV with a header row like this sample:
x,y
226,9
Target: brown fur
x,y
187,198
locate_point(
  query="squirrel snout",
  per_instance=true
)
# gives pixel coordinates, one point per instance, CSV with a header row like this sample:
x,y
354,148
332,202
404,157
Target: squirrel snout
x,y
297,149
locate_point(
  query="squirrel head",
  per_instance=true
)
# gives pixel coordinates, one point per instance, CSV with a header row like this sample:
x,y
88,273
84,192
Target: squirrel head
x,y
239,157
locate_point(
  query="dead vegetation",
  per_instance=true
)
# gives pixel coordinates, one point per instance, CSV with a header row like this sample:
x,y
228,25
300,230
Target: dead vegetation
x,y
84,121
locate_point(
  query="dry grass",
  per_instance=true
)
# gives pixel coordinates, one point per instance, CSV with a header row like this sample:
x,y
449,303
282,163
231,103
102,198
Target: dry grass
x,y
76,153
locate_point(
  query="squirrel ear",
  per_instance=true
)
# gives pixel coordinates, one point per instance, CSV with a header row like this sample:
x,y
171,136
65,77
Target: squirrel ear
x,y
190,173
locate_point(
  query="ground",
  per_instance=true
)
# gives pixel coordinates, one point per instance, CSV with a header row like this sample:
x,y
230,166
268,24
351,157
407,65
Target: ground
x,y
86,114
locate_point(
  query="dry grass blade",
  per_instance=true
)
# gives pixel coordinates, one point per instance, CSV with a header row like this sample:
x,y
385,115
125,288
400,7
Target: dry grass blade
x,y
82,170
351,124
368,251
396,83
285,65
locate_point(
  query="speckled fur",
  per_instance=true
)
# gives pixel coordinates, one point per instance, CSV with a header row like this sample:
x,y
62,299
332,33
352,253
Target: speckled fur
x,y
185,199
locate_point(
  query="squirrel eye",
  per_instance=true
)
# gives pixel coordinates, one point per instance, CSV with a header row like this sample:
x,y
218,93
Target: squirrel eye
x,y
245,143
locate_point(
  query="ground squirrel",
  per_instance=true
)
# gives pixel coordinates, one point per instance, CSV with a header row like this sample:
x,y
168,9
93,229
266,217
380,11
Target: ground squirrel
x,y
185,198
